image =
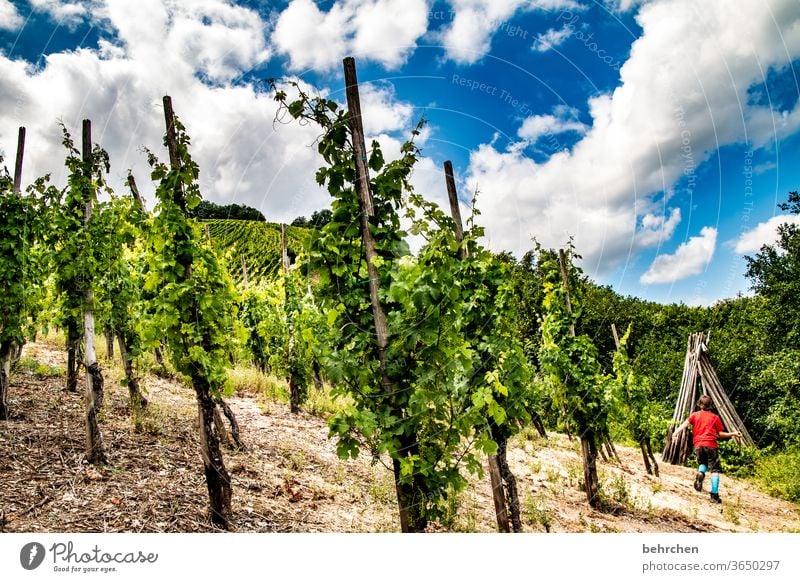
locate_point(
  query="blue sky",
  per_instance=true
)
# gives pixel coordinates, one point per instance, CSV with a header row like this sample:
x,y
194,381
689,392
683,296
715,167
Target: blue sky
x,y
659,136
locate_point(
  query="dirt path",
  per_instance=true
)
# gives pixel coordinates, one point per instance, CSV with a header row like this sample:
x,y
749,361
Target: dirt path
x,y
290,478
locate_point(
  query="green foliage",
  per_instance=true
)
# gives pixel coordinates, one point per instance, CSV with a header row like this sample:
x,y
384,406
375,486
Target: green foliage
x,y
37,368
194,301
775,275
207,210
122,223
79,252
23,260
736,460
633,406
283,324
569,364
778,473
258,244
319,218
452,368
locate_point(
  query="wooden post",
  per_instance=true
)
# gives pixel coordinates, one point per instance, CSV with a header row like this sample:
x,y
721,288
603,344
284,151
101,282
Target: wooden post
x,y
284,250
18,162
7,348
455,211
588,440
218,480
498,490
411,518
135,192
245,280
94,376
294,389
562,262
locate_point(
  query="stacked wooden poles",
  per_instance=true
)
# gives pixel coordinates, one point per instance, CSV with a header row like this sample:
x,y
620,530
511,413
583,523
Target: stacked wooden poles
x,y
699,378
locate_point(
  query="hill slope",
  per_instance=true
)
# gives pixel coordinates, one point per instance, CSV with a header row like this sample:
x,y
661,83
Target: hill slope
x,y
291,480
257,243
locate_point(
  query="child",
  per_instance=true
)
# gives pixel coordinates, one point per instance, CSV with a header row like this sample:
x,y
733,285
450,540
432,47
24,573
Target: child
x,y
706,428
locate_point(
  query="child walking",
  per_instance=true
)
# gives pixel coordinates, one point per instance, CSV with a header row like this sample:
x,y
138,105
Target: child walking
x,y
706,429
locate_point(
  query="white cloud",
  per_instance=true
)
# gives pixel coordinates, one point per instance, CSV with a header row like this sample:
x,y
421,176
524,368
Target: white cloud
x,y
384,31
537,126
381,112
689,259
551,39
68,13
766,233
9,16
624,5
684,86
190,51
475,22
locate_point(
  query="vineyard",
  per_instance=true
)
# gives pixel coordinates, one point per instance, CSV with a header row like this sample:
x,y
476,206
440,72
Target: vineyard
x,y
254,247
166,373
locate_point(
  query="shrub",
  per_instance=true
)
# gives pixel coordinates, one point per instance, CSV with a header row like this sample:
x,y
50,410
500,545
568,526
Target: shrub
x,y
777,474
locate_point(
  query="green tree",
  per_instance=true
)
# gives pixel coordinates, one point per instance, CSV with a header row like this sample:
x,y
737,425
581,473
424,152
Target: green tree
x,y
775,275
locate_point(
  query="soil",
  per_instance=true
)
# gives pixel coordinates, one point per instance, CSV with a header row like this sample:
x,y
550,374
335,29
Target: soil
x,y
290,479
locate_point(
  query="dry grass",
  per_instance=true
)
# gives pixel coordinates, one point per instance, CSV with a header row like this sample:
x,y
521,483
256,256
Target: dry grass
x,y
290,478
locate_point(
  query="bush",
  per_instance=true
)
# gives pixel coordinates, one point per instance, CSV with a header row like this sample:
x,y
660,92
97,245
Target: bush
x,y
736,460
777,474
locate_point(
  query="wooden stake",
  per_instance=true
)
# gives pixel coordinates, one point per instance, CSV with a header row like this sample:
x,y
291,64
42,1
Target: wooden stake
x,y
500,508
135,192
284,250
501,503
405,493
562,262
588,441
455,210
18,163
94,377
218,479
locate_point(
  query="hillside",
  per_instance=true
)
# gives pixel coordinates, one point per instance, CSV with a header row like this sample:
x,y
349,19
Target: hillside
x,y
257,243
291,480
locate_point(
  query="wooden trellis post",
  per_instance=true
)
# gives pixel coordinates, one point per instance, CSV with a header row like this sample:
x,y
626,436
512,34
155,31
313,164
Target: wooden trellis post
x,y
588,444
501,502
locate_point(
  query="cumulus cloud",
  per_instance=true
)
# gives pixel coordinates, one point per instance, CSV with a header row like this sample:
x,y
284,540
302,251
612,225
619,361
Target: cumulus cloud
x,y
684,87
689,259
469,36
550,39
384,31
382,112
10,18
537,126
766,233
68,13
191,51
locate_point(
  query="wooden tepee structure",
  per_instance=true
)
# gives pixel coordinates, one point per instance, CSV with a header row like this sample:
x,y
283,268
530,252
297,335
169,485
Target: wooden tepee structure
x,y
700,378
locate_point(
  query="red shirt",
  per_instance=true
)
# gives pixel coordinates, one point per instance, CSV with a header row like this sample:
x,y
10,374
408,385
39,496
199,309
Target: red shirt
x,y
705,427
